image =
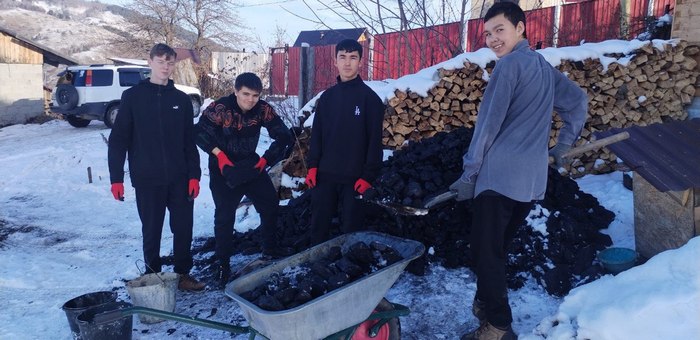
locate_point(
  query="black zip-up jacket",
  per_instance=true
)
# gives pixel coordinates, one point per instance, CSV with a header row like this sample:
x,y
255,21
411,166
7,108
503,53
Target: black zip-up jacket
x,y
224,126
346,135
155,128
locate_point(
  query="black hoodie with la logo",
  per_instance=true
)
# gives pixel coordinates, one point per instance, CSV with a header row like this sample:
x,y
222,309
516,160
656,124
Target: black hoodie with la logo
x,y
346,136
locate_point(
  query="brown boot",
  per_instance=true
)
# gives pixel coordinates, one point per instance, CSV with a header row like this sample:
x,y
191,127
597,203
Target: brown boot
x,y
489,332
187,282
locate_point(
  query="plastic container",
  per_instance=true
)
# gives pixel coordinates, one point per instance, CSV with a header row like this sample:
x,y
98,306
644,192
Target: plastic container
x,y
77,305
617,259
119,329
155,290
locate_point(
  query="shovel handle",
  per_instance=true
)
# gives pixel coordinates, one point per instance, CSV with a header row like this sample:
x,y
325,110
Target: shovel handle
x,y
594,145
445,196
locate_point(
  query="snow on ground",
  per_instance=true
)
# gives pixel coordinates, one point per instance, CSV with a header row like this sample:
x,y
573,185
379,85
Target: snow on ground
x,y
61,237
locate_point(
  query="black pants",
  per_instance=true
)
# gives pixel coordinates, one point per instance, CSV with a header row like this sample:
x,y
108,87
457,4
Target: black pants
x,y
324,204
261,192
494,223
151,202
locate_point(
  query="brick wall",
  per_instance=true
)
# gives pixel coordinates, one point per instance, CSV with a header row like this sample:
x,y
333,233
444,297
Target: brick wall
x,y
21,93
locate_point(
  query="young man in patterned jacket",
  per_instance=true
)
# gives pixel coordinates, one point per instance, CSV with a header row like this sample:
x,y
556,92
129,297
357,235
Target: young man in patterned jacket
x,y
228,131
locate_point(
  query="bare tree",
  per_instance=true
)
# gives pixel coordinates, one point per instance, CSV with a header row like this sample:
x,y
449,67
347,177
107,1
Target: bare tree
x,y
158,20
212,21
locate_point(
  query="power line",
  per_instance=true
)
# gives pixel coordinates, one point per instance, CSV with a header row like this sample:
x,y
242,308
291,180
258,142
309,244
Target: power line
x,y
268,3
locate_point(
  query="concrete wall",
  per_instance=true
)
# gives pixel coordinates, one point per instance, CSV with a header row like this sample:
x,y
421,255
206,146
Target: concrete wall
x,y
21,93
686,26
686,21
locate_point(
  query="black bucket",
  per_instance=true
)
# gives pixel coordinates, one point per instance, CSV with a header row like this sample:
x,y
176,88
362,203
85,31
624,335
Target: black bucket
x,y
119,329
77,305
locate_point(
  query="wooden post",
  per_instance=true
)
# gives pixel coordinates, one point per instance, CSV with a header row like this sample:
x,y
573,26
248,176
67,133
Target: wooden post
x,y
304,76
89,175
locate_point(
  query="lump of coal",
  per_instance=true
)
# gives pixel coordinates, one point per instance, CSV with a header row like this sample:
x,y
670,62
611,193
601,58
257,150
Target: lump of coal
x,y
268,302
297,285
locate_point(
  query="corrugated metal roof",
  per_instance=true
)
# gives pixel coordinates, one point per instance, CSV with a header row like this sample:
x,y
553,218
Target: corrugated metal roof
x,y
328,37
666,155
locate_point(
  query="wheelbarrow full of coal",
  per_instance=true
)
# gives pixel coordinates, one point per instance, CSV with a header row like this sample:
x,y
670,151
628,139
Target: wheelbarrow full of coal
x,y
356,310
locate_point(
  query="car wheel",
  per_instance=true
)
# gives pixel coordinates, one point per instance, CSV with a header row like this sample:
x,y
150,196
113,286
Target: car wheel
x,y
77,122
111,115
196,104
66,96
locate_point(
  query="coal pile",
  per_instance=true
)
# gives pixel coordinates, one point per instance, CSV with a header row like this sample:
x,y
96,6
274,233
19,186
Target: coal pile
x,y
559,253
300,284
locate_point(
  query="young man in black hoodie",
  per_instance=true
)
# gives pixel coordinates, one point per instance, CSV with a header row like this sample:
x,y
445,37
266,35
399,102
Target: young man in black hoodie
x,y
154,127
228,131
345,152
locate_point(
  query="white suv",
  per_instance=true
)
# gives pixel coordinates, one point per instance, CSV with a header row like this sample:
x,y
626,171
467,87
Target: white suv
x,y
93,92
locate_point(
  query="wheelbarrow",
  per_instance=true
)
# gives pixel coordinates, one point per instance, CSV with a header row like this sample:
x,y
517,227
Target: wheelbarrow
x,y
356,307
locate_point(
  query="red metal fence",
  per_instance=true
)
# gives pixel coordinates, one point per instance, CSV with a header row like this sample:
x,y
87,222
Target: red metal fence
x,y
589,21
399,53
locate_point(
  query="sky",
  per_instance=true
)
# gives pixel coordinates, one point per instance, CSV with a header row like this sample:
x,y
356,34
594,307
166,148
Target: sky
x,y
70,237
263,17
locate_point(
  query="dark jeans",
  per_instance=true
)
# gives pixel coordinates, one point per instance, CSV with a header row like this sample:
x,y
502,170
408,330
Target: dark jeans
x,y
151,202
261,192
495,220
324,204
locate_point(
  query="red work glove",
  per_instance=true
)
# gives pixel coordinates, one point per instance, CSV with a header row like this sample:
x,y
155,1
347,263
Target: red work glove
x,y
223,161
361,185
193,188
118,191
260,165
311,177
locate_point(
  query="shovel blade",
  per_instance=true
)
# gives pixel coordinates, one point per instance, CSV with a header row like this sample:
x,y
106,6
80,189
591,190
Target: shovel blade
x,y
401,209
396,208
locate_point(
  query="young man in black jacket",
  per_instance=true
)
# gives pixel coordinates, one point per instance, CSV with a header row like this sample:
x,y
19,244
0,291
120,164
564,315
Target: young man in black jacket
x,y
154,127
228,131
345,152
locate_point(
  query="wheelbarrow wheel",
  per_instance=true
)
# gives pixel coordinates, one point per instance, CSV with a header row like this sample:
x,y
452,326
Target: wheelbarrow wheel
x,y
389,331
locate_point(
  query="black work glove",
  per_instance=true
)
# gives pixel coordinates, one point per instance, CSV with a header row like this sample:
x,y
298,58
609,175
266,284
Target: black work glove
x,y
557,152
464,189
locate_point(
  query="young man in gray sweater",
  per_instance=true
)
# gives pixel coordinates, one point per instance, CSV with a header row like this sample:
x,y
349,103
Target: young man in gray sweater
x,y
505,168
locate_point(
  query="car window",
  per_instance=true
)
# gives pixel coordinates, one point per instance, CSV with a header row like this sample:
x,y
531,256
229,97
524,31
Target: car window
x,y
129,77
92,77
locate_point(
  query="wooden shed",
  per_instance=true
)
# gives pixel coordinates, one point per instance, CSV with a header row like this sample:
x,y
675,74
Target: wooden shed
x,y
665,159
22,76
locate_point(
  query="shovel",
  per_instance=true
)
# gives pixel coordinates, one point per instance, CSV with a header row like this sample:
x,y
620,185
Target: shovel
x,y
392,207
395,208
448,195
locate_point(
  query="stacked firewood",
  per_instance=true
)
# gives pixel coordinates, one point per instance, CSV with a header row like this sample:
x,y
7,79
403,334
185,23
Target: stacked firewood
x,y
653,87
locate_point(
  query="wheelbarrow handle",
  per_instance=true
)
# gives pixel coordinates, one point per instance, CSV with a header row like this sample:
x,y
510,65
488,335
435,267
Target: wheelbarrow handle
x,y
120,313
